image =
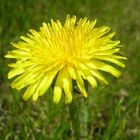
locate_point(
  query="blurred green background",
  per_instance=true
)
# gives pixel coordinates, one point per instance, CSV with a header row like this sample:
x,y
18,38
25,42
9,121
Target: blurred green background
x,y
109,113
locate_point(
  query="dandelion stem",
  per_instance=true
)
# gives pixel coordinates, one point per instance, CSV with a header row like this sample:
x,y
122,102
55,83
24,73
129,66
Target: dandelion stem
x,y
74,116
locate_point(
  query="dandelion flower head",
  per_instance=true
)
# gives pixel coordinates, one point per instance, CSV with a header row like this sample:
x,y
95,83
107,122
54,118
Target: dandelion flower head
x,y
60,54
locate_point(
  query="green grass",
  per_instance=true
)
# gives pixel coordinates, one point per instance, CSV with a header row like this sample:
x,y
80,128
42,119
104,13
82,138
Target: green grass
x,y
109,113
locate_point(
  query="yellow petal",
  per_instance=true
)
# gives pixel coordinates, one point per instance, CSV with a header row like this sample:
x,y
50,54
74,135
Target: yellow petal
x,y
92,24
107,68
72,72
67,21
57,94
82,22
22,81
98,32
20,63
15,71
30,91
41,88
28,40
99,76
106,52
81,85
119,57
25,79
115,61
111,70
17,54
21,45
35,96
67,86
58,87
86,73
46,82
92,81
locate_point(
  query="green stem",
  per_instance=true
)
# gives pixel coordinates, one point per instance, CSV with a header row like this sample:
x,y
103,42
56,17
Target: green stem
x,y
74,115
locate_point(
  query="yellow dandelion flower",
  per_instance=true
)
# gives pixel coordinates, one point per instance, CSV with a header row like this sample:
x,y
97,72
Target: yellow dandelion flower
x,y
61,54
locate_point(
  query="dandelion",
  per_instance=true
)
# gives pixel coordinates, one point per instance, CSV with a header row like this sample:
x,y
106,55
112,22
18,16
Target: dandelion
x,y
60,54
